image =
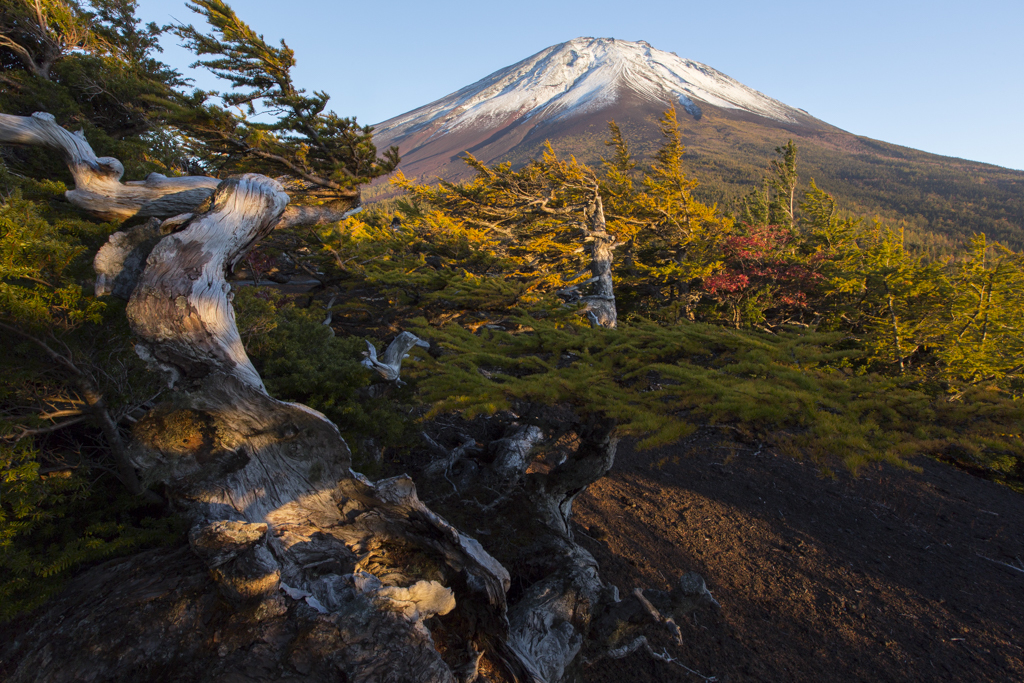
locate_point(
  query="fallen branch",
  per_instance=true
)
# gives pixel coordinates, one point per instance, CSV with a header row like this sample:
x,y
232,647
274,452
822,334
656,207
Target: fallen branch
x,y
98,187
389,365
1001,564
641,642
667,622
100,192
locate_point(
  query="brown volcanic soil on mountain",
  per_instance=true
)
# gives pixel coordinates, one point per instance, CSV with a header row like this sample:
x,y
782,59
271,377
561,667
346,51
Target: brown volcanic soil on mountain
x,y
882,577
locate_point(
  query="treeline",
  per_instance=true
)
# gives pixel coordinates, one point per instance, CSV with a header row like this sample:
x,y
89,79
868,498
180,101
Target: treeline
x,y
940,202
821,334
784,255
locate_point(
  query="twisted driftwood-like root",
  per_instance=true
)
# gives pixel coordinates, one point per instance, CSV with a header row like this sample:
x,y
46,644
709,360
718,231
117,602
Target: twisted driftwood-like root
x,y
100,192
389,365
277,517
98,187
565,614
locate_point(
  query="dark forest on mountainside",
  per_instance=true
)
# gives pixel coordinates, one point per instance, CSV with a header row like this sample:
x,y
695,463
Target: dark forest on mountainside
x,y
511,428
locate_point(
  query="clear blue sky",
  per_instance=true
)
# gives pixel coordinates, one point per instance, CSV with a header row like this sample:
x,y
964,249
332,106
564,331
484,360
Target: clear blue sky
x,y
944,77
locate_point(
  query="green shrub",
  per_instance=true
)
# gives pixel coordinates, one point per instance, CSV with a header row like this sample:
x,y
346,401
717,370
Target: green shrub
x,y
301,360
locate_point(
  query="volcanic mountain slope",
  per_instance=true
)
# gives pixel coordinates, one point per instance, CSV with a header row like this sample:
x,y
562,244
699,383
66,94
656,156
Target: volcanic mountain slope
x,y
567,93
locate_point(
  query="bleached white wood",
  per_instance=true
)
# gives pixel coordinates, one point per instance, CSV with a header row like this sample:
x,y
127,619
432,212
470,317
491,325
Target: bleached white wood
x,y
181,308
100,192
600,304
276,510
389,365
98,187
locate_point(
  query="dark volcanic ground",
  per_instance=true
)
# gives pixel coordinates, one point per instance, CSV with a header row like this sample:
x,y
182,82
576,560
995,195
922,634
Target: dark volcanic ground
x,y
894,575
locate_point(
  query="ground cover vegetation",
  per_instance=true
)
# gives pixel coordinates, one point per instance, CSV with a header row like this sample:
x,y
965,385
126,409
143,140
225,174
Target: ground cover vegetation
x,y
783,321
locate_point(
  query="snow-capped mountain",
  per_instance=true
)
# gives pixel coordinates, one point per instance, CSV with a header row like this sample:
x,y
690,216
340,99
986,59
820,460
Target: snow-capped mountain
x,y
584,75
559,86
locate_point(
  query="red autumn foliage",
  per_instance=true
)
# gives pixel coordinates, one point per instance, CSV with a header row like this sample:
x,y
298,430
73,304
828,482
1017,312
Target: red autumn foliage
x,y
766,264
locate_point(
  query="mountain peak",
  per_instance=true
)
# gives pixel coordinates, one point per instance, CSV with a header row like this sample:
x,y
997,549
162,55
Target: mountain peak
x,y
586,74
562,85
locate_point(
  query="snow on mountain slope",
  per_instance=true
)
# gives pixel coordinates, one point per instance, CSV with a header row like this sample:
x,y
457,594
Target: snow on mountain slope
x,y
581,76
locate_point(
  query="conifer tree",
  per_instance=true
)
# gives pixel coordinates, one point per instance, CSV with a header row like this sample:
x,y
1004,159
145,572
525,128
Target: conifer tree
x,y
754,207
782,210
330,154
39,33
824,232
675,240
774,202
981,339
549,219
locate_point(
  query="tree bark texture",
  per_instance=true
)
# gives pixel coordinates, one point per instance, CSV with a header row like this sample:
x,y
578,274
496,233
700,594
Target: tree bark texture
x,y
98,187
277,516
600,305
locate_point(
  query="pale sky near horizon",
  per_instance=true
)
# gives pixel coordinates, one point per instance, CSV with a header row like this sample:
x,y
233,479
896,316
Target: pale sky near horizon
x,y
943,77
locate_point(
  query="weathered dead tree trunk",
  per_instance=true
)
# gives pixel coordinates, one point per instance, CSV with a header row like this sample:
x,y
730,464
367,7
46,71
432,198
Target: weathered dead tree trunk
x,y
389,365
564,613
299,568
98,187
600,305
277,515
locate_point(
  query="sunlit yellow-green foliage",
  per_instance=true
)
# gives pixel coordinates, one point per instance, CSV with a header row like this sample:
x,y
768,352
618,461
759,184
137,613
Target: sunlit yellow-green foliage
x,y
670,238
793,389
892,289
980,322
818,394
888,338
681,237
38,260
467,269
959,321
533,217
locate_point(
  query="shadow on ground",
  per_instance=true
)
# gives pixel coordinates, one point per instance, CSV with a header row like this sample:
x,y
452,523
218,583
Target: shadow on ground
x,y
894,575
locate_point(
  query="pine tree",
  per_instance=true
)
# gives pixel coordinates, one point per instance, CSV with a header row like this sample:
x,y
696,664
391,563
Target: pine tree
x,y
330,154
982,319
40,33
675,239
774,202
548,219
782,209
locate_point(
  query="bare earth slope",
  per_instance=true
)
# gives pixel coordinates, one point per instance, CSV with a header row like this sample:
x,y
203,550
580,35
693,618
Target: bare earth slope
x,y
875,578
